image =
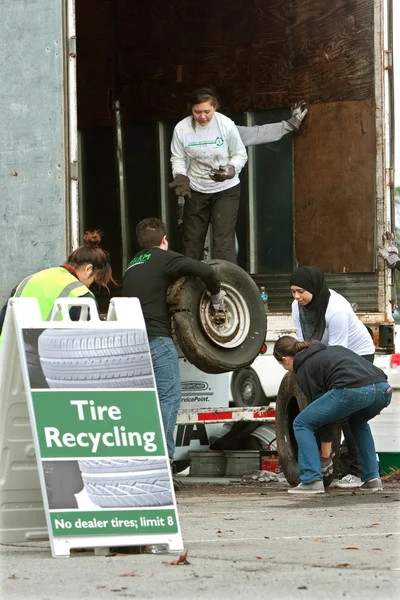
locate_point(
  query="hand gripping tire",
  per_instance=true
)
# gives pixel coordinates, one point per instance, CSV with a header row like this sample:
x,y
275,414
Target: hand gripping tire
x,y
290,401
219,348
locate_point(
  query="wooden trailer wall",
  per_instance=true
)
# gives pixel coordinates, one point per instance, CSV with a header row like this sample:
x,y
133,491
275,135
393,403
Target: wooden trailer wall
x,y
258,54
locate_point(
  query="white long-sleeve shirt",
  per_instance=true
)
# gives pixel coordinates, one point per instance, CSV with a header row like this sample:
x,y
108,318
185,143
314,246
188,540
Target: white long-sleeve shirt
x,y
343,327
195,151
263,134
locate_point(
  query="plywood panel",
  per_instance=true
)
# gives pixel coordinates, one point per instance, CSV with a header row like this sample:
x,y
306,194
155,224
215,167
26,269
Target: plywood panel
x,y
258,54
335,187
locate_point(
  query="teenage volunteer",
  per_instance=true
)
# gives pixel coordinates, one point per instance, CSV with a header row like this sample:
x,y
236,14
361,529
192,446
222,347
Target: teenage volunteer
x,y
339,384
148,277
251,136
207,155
87,264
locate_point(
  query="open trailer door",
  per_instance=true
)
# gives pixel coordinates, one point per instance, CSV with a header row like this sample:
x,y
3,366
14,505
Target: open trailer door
x,y
37,137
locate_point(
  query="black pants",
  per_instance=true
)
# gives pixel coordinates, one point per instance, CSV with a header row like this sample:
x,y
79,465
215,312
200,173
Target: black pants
x,y
222,208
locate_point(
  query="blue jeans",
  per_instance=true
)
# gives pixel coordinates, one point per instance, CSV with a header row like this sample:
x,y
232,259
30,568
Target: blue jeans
x,y
359,405
166,371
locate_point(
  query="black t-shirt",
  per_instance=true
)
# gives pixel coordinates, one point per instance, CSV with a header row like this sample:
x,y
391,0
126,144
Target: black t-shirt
x,y
148,277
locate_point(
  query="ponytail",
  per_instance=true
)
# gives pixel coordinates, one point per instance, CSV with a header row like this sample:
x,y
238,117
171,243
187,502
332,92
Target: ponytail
x,y
289,346
91,253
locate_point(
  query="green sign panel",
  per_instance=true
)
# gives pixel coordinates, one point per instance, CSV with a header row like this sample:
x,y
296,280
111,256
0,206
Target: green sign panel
x,y
73,423
145,522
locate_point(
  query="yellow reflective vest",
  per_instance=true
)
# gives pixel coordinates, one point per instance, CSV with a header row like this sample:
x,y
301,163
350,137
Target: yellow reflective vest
x,y
49,285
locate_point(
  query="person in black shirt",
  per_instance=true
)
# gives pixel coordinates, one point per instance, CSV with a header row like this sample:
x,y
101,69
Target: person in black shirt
x,y
339,384
148,276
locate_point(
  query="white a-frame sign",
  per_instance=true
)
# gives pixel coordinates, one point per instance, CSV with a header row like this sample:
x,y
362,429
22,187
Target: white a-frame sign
x,y
83,452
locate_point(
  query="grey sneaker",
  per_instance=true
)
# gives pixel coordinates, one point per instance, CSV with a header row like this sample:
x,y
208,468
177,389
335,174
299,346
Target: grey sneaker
x,y
373,485
315,487
349,481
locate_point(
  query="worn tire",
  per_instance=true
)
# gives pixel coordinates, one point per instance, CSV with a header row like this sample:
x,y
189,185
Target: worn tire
x,y
90,359
236,344
290,402
181,465
246,389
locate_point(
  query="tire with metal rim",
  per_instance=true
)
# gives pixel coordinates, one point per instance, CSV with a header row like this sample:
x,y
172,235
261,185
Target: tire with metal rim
x,y
290,401
219,348
247,390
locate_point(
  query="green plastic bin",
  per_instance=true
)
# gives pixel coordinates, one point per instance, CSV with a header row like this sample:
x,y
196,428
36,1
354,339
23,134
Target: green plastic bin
x,y
388,461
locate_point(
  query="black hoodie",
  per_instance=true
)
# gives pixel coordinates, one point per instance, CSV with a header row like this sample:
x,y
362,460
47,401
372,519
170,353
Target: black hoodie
x,y
321,368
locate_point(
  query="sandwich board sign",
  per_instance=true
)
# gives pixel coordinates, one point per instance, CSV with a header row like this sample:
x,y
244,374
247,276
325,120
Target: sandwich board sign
x,y
83,452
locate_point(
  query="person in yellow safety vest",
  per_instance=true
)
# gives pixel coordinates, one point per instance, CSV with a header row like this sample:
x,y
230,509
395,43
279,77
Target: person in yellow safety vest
x,y
85,265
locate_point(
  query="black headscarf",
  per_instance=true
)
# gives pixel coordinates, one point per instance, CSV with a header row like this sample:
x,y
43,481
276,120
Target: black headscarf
x,y
312,315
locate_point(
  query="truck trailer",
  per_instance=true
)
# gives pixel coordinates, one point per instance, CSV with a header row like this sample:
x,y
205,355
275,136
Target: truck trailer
x,y
90,94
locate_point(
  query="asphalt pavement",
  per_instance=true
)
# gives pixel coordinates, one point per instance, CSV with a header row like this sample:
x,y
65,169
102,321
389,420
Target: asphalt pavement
x,y
243,541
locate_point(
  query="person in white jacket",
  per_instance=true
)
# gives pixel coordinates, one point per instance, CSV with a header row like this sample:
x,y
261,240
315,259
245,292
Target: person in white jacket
x,y
322,314
207,155
192,171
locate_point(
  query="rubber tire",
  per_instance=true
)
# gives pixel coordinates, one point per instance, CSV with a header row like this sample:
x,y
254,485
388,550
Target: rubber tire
x,y
112,358
196,346
289,402
181,465
239,379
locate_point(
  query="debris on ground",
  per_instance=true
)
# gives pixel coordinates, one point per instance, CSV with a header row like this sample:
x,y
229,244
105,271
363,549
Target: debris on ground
x,y
393,476
179,561
260,477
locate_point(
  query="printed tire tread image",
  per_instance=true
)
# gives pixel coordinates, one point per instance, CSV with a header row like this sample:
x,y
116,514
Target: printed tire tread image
x,y
289,402
196,346
77,343
121,465
109,358
143,488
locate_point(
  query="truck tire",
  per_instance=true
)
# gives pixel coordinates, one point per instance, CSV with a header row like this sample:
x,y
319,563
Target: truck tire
x,y
246,389
219,348
112,358
290,401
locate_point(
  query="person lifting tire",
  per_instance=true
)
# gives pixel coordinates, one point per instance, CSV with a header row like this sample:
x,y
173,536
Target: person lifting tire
x,y
290,402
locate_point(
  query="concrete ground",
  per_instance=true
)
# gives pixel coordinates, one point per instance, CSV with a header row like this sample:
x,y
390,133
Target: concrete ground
x,y
243,541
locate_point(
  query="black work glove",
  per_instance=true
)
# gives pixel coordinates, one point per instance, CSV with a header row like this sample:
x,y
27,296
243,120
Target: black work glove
x,y
223,173
181,185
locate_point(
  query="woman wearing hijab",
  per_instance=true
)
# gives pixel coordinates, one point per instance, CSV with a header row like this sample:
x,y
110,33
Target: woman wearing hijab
x,y
324,315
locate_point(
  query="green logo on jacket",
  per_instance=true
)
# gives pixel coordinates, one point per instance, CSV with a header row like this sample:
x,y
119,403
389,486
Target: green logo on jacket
x,y
140,258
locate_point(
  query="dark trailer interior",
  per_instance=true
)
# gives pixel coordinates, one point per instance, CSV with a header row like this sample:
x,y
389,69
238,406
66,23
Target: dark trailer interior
x,y
310,198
